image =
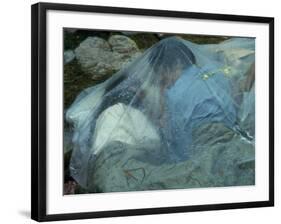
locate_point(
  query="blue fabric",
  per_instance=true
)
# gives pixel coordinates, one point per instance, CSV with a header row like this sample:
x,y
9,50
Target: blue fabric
x,y
194,99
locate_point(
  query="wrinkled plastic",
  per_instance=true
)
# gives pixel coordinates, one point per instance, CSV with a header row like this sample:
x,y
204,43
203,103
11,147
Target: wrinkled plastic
x,y
159,99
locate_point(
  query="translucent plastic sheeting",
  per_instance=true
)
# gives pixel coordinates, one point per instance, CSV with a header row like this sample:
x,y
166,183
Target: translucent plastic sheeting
x,y
153,106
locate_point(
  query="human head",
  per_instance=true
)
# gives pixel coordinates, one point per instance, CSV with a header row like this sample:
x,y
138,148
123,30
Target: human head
x,y
169,58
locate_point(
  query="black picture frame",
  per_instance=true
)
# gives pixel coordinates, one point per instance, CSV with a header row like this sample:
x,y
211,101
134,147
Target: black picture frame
x,y
39,107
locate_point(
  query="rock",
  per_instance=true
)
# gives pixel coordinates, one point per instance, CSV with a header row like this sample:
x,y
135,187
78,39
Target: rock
x,y
123,45
68,56
99,57
69,187
220,158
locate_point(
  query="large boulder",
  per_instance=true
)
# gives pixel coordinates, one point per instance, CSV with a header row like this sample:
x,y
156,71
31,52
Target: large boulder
x,y
99,57
123,45
68,56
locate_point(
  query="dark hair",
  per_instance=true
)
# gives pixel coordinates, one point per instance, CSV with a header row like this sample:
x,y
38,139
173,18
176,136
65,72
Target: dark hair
x,y
169,53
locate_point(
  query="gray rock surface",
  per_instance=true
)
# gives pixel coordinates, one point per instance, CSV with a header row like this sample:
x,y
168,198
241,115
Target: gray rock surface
x,y
99,57
68,56
123,45
220,158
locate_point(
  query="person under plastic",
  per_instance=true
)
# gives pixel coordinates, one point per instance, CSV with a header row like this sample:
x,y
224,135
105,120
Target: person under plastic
x,y
157,100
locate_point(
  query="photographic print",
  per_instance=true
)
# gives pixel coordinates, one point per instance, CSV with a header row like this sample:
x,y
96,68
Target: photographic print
x,y
157,111
145,111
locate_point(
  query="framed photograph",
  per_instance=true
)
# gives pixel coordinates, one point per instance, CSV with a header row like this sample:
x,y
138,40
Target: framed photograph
x,y
140,111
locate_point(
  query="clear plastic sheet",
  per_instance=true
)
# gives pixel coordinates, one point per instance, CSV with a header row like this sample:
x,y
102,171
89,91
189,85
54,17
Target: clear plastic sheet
x,y
149,111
